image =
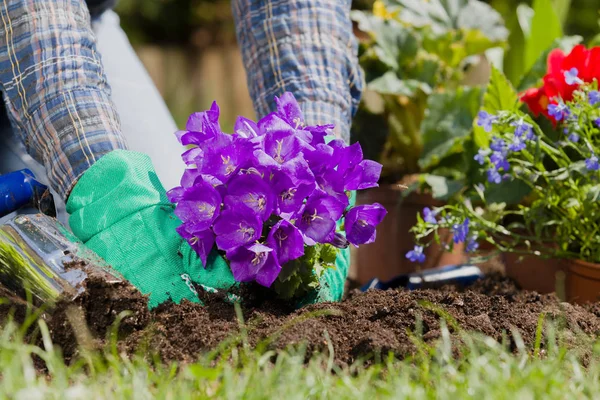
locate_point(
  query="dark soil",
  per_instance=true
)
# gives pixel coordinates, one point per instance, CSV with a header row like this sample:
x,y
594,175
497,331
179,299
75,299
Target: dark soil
x,y
363,325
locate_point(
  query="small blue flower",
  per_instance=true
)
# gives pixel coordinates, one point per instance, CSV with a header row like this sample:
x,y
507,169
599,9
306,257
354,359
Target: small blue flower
x,y
558,111
571,76
429,216
493,176
481,155
594,97
472,244
497,144
597,122
485,120
416,255
591,164
522,128
460,231
573,137
517,144
498,158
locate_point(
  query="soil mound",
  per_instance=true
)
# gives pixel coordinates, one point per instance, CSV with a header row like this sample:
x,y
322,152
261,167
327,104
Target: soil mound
x,y
363,325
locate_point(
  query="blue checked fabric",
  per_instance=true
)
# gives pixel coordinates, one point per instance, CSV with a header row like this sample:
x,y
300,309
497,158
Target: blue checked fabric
x,y
306,47
54,87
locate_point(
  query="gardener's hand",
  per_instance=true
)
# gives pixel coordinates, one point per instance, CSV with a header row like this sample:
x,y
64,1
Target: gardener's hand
x,y
120,210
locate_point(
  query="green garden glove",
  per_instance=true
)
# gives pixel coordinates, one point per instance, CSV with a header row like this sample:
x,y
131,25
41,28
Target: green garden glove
x,y
120,210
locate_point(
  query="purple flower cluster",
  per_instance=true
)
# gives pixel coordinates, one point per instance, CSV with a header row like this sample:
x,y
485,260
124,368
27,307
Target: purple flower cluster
x,y
273,186
499,149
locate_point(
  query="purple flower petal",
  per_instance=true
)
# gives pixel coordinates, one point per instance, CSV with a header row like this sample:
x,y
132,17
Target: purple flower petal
x,y
199,206
287,241
363,176
191,156
246,128
315,221
255,262
289,110
176,194
236,228
223,158
201,242
416,255
251,191
290,195
360,223
460,231
429,216
331,182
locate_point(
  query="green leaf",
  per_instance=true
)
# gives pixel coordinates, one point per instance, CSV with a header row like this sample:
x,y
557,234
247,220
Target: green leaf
x,y
448,122
538,70
562,9
509,192
514,57
442,16
499,96
545,28
391,84
443,188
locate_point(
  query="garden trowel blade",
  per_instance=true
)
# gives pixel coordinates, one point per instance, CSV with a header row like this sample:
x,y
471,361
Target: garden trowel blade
x,y
41,261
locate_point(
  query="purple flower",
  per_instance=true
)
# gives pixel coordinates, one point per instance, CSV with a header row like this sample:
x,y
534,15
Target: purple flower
x,y
493,176
316,220
255,262
290,192
460,231
197,206
517,144
363,176
289,110
332,183
224,156
573,137
523,128
429,216
485,120
287,242
591,164
571,76
597,122
472,244
499,160
249,190
558,111
201,126
201,242
280,146
594,97
416,255
360,223
481,155
236,228
498,144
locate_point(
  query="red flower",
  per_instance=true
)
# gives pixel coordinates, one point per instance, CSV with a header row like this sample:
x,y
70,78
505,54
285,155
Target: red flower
x,y
587,63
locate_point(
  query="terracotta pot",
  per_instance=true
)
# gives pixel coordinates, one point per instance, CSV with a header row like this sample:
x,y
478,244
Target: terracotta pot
x,y
532,272
386,258
583,281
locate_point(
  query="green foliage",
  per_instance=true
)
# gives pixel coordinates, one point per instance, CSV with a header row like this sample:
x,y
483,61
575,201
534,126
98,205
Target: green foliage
x,y
301,275
545,29
547,201
414,61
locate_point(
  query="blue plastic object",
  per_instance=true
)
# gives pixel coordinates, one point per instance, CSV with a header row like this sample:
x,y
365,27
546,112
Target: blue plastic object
x,y
19,189
463,275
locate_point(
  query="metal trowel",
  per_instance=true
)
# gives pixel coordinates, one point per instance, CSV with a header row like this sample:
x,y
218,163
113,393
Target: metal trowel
x,y
40,260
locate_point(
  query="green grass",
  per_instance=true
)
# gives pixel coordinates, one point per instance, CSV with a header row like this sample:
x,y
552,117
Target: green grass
x,y
486,370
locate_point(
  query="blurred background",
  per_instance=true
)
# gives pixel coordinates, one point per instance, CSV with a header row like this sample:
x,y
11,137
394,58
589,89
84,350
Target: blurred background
x,y
189,48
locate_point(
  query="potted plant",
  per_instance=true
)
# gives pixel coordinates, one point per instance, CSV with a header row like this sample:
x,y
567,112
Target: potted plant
x,y
417,115
555,162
